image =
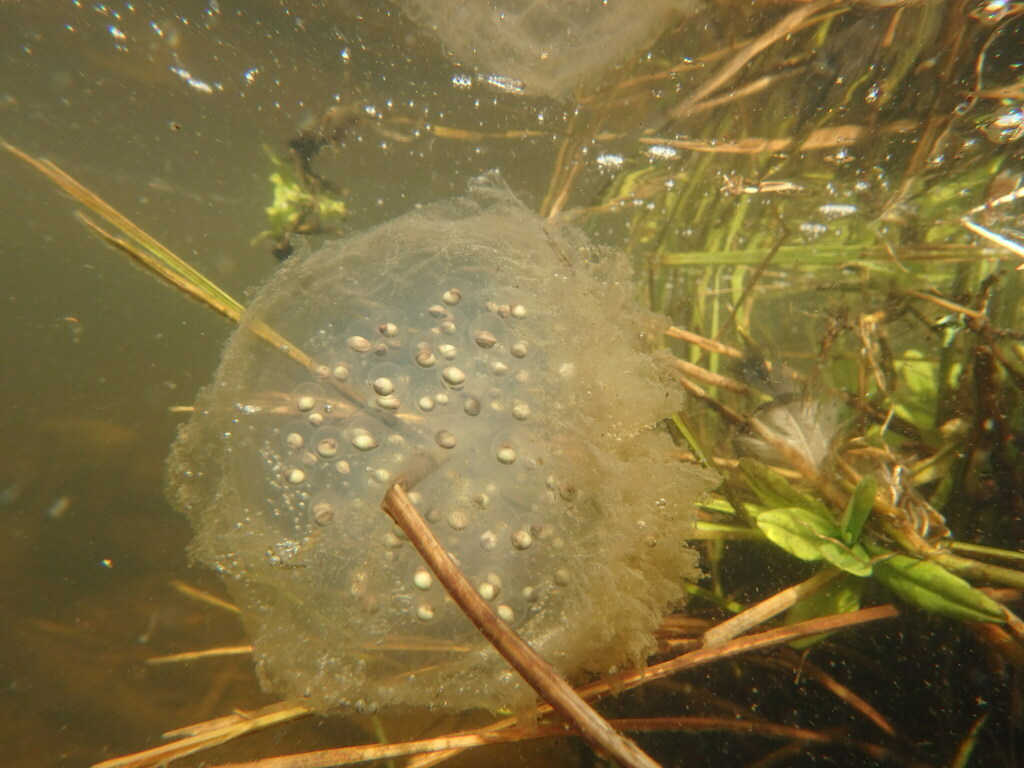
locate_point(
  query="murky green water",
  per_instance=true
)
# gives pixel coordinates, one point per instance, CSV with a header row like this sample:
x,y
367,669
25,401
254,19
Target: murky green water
x,y
786,204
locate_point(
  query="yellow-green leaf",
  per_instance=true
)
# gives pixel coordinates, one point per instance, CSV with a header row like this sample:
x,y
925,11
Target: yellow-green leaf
x,y
799,532
854,560
774,490
930,586
839,596
858,509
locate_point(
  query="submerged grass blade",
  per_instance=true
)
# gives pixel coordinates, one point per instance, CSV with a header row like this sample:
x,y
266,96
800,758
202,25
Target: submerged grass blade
x,y
153,254
146,250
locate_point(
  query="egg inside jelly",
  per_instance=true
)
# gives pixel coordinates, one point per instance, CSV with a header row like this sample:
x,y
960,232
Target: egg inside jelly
x,y
493,361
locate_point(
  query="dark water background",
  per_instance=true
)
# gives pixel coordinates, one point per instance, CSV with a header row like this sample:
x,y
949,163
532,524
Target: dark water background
x,y
95,353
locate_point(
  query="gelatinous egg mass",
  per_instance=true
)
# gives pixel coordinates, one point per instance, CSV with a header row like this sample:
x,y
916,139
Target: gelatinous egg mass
x,y
496,363
545,47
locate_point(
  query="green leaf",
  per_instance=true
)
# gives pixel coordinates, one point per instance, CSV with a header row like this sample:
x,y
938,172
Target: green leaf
x,y
930,586
840,596
917,391
808,536
774,490
858,509
853,560
797,531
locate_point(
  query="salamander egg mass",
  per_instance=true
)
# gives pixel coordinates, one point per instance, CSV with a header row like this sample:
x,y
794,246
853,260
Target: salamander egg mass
x,y
496,360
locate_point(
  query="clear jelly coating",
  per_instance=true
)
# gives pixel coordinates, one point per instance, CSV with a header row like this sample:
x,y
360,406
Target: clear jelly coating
x,y
546,47
495,362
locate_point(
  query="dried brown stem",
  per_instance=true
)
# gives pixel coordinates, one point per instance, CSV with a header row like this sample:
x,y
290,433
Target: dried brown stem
x,y
696,658
711,378
787,25
711,345
540,675
206,736
467,739
766,609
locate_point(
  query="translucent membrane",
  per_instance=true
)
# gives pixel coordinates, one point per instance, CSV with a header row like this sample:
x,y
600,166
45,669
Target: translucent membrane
x,y
549,47
497,362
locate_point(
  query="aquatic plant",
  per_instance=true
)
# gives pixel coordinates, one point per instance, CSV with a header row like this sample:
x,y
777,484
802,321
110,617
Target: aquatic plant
x,y
823,197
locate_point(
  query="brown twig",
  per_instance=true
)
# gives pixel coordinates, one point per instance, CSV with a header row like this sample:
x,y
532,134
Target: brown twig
x,y
206,736
328,758
624,681
540,675
766,609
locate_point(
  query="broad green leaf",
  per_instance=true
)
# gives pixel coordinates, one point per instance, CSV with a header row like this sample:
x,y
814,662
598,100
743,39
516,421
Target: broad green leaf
x,y
854,560
774,490
799,532
858,509
808,536
839,596
915,397
930,586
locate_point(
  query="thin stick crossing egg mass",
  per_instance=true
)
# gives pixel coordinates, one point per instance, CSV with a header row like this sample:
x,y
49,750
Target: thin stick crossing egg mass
x,y
497,363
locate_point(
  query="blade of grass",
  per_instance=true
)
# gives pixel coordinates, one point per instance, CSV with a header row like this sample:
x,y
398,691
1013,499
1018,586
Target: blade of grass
x,y
154,255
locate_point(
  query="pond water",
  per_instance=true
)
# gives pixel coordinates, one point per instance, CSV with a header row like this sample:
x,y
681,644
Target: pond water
x,y
787,178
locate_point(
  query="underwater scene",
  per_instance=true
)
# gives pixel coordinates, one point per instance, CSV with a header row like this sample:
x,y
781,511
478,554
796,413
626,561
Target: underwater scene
x,y
512,383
